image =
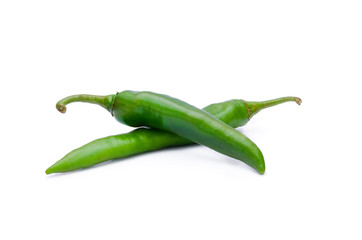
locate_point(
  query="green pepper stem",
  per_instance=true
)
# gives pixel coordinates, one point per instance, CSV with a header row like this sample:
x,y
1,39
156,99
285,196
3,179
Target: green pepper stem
x,y
255,107
103,101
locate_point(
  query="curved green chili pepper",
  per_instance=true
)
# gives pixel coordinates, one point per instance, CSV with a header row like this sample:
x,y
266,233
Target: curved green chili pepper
x,y
235,113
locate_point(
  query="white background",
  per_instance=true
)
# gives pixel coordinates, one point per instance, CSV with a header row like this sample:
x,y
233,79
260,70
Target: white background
x,y
201,52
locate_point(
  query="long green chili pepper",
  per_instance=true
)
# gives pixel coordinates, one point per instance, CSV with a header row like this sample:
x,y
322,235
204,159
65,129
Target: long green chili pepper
x,y
235,113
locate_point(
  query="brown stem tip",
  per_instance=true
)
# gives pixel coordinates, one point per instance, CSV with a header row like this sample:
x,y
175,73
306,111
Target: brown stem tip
x,y
61,108
298,100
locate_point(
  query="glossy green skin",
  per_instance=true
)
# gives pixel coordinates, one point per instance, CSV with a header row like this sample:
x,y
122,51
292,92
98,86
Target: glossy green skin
x,y
163,112
233,112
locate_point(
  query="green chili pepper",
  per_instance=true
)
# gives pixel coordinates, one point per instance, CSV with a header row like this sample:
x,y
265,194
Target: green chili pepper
x,y
235,113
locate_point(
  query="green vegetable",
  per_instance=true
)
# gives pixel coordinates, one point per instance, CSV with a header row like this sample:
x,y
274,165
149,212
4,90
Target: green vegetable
x,y
235,113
